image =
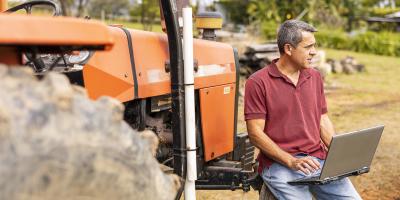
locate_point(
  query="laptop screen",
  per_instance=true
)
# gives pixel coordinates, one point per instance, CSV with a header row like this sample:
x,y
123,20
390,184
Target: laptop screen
x,y
351,151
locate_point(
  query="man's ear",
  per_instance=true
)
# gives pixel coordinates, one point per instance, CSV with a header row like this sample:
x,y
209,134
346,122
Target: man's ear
x,y
288,49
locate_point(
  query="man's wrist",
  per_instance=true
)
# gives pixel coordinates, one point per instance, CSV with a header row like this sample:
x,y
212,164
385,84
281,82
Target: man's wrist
x,y
289,160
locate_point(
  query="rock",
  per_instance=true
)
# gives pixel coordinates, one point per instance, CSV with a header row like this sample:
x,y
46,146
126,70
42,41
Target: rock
x,y
348,60
324,69
348,65
55,143
360,68
348,69
337,67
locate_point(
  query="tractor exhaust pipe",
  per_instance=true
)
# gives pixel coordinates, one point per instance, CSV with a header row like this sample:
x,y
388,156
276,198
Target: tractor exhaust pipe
x,y
170,13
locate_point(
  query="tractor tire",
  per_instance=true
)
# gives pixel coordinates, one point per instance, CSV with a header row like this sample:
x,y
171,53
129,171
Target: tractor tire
x,y
56,143
265,193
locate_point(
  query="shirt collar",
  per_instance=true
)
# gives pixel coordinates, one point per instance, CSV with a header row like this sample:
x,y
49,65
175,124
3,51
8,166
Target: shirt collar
x,y
274,71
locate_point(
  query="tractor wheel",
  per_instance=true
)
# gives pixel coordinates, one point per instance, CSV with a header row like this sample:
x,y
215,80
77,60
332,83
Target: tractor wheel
x,y
56,143
265,193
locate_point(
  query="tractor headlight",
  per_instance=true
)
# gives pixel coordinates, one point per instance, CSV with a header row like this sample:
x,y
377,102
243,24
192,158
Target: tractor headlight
x,y
80,57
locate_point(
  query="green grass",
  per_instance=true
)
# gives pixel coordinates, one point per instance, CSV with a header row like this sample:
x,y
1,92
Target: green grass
x,y
134,25
382,72
363,94
364,100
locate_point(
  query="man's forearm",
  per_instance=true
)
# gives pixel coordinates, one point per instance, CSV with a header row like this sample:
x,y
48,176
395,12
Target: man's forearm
x,y
274,152
327,130
269,147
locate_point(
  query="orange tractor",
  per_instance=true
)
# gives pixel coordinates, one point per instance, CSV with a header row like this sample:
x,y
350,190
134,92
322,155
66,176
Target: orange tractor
x,y
144,71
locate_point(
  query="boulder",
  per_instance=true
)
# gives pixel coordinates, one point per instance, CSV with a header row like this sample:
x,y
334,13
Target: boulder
x,y
56,143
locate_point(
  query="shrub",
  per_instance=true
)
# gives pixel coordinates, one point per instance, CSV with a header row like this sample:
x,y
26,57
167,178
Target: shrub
x,y
381,12
269,29
383,43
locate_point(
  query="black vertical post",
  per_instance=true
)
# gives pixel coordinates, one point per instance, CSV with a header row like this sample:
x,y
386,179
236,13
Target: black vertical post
x,y
170,12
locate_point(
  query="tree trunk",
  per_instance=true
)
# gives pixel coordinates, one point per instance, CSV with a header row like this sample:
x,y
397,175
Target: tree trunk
x,y
81,8
65,9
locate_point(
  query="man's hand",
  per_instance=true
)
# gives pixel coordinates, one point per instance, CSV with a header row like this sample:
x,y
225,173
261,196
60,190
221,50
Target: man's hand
x,y
272,150
306,164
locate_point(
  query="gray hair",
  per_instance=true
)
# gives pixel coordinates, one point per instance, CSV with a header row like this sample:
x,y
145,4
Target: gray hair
x,y
290,33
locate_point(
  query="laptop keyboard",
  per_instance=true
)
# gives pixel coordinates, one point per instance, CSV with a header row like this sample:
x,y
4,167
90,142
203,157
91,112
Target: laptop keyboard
x,y
310,178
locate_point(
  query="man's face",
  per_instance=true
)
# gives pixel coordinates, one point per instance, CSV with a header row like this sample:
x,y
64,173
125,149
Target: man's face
x,y
305,51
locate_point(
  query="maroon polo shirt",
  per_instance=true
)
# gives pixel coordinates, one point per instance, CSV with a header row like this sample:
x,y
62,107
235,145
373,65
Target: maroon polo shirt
x,y
292,112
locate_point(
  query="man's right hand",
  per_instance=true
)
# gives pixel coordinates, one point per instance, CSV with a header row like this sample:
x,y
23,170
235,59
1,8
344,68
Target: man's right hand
x,y
306,164
259,139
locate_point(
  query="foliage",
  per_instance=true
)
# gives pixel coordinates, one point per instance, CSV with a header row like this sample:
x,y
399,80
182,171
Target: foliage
x,y
323,14
11,4
262,11
269,14
347,14
383,43
381,12
148,11
133,25
93,8
114,7
66,6
235,10
269,29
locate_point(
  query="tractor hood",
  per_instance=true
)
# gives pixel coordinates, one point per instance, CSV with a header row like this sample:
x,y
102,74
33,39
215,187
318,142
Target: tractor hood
x,y
54,32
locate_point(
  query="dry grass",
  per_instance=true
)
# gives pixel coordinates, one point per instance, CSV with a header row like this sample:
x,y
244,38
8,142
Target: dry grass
x,y
368,99
354,102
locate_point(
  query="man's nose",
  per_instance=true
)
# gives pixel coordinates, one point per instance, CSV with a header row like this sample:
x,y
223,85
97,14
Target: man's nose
x,y
313,51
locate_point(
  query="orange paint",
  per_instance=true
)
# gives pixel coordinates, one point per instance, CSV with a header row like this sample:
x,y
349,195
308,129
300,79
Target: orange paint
x,y
151,53
38,30
217,107
3,5
150,50
109,73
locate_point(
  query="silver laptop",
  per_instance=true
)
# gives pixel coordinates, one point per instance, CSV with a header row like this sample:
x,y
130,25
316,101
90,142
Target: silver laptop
x,y
349,154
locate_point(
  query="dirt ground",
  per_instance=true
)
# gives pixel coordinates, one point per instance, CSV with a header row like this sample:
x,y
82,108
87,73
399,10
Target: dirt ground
x,y
358,101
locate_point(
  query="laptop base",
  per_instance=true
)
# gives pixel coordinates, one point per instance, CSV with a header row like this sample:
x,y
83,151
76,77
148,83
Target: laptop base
x,y
311,181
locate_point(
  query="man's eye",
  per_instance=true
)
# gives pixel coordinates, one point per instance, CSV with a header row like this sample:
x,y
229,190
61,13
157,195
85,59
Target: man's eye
x,y
310,46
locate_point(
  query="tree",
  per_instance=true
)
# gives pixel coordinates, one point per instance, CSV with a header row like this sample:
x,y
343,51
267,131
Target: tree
x,y
149,11
66,6
330,12
113,7
73,7
236,10
81,5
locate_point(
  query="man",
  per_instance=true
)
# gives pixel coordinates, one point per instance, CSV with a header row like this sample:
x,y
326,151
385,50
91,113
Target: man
x,y
286,117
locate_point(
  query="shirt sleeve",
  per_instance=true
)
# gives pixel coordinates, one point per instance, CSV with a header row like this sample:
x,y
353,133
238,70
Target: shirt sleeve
x,y
324,107
255,105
